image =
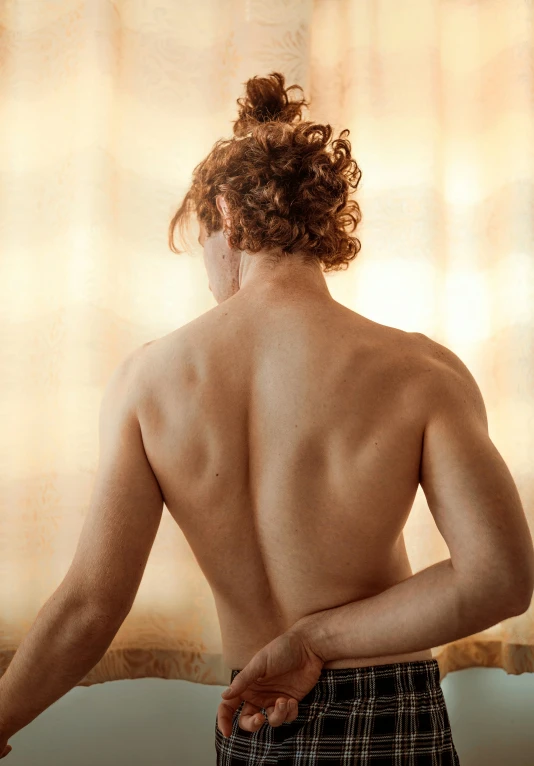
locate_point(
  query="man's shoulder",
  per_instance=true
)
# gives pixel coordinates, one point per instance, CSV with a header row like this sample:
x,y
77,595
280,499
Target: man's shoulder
x,y
177,339
437,357
165,354
445,378
431,350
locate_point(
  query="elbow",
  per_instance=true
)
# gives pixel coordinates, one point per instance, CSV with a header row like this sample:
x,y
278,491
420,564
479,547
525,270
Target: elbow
x,y
527,582
520,604
520,592
524,599
517,581
507,595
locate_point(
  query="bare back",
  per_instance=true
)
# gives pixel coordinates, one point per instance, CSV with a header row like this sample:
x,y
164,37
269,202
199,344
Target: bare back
x,y
287,444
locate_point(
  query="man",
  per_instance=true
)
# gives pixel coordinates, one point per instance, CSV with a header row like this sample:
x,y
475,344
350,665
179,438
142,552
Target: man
x,y
331,421
287,436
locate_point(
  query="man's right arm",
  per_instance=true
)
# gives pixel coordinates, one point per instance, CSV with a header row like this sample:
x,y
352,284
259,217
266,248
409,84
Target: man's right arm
x,y
472,496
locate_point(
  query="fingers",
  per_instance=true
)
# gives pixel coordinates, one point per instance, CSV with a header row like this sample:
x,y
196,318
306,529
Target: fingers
x,y
254,671
252,719
278,715
225,715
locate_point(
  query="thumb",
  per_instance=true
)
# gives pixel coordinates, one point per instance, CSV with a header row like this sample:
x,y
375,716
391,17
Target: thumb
x,y
254,671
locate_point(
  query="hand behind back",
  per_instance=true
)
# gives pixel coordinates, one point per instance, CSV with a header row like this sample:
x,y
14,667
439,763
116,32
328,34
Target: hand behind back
x,y
286,669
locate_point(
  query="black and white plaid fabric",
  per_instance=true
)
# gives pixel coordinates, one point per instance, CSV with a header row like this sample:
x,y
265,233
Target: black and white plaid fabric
x,y
382,715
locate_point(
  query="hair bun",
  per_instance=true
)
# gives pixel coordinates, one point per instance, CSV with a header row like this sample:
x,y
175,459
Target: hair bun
x,y
266,100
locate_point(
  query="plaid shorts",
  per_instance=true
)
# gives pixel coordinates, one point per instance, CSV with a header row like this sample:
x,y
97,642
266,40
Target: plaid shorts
x,y
392,715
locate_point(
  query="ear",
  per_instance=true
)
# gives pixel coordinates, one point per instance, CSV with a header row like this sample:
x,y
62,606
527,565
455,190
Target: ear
x,y
222,207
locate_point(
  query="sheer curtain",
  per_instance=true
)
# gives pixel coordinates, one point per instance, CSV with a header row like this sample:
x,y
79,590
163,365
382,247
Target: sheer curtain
x,y
105,108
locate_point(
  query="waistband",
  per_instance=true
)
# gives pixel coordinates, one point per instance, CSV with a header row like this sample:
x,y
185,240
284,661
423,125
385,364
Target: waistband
x,y
391,680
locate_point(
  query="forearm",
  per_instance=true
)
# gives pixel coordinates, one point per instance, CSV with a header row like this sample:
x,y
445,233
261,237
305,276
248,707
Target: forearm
x,y
64,643
431,608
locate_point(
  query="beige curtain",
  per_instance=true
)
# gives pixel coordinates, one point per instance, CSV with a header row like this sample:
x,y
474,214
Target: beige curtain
x,y
105,108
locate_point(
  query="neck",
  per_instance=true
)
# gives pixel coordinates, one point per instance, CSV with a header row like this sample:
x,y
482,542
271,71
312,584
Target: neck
x,y
293,272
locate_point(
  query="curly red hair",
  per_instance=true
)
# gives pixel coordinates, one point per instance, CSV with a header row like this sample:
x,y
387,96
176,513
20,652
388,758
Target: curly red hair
x,y
284,188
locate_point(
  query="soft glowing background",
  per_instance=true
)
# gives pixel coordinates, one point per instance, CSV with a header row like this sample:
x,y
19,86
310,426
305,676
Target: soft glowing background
x,y
105,108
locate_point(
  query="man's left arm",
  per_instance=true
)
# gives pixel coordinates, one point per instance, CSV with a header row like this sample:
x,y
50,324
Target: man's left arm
x,y
75,627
